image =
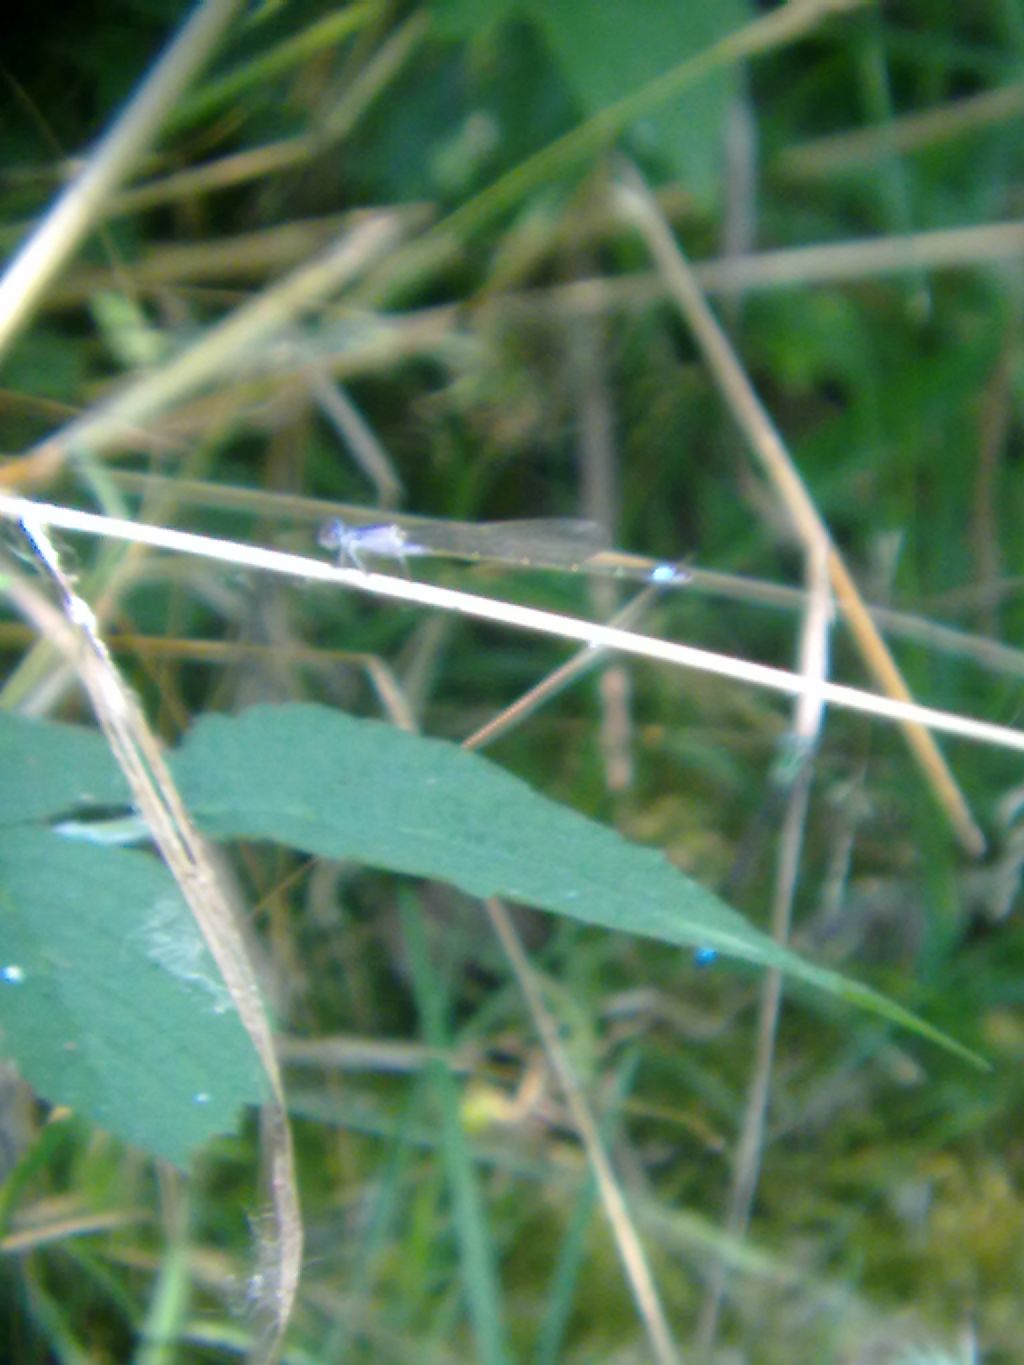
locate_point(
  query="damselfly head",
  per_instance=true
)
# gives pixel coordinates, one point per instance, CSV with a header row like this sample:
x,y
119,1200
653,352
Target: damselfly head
x,y
331,535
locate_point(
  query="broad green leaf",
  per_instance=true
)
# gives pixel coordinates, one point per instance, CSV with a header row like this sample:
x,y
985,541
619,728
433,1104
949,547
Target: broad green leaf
x,y
607,52
109,1000
462,19
51,769
341,787
346,788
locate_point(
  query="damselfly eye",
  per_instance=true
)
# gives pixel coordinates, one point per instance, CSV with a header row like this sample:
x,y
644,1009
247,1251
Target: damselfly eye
x,y
329,537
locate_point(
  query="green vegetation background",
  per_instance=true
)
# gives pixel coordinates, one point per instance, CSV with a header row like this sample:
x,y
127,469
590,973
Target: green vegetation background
x,y
889,1219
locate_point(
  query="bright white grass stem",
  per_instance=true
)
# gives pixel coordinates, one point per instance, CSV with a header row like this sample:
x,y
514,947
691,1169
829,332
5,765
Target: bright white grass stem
x,y
242,555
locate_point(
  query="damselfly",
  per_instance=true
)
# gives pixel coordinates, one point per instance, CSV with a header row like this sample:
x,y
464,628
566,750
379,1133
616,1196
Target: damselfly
x,y
545,543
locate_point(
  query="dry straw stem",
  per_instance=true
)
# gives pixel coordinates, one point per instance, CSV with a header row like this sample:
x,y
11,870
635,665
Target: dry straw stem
x,y
242,258
830,262
138,755
627,1241
383,342
808,719
519,617
223,349
558,680
81,205
243,167
59,1228
910,133
640,208
257,163
248,256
